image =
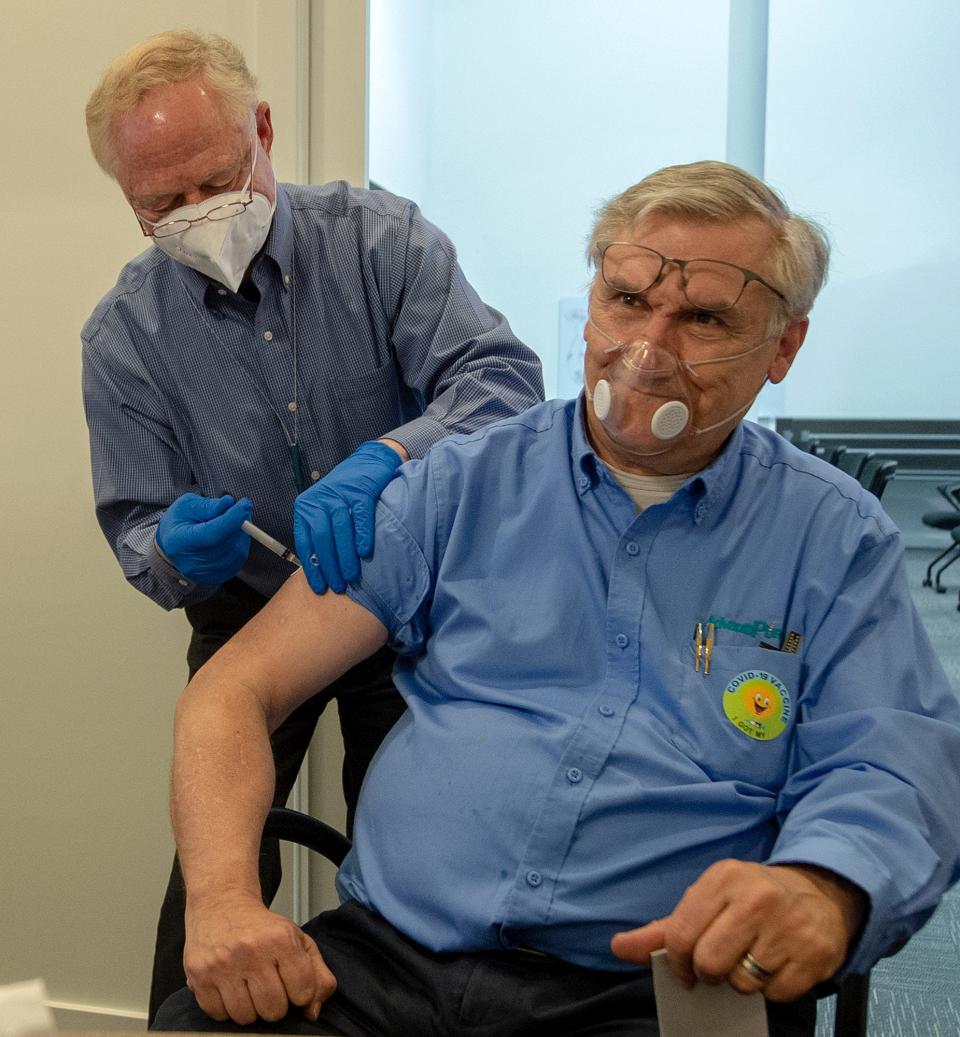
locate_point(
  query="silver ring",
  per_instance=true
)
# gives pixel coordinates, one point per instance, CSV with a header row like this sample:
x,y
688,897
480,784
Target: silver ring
x,y
750,964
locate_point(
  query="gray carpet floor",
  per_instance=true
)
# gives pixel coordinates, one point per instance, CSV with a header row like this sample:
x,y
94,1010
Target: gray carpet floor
x,y
916,993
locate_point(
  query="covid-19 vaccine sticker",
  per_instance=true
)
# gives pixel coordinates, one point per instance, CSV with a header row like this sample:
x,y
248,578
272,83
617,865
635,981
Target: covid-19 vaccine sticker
x,y
758,704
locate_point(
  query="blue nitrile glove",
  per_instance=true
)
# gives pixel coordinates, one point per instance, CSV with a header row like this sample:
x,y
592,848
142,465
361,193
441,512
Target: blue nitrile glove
x,y
333,520
202,538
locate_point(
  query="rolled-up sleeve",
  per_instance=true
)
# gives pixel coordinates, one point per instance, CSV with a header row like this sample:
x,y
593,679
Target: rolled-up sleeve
x,y
396,582
456,353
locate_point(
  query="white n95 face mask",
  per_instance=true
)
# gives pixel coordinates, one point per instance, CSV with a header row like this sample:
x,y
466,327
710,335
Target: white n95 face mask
x,y
215,242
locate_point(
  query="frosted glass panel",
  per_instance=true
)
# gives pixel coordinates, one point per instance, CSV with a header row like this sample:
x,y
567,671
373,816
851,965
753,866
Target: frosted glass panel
x,y
861,129
510,122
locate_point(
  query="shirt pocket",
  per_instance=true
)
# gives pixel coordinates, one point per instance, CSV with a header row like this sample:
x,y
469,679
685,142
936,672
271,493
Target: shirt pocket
x,y
369,403
736,722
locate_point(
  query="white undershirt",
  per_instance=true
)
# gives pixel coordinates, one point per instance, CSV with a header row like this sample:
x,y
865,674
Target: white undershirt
x,y
645,490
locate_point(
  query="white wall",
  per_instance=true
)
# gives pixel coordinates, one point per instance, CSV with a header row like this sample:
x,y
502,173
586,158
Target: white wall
x,y
91,668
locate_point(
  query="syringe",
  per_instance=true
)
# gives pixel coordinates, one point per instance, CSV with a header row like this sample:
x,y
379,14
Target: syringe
x,y
269,543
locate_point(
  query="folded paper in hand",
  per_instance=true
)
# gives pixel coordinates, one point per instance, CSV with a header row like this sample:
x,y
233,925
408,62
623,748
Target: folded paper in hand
x,y
704,1010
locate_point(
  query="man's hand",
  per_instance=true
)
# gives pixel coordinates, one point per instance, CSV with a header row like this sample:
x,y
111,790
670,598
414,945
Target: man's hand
x,y
795,921
333,521
202,537
243,961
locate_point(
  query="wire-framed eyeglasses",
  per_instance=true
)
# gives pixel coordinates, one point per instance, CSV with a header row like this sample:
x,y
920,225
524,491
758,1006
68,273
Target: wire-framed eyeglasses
x,y
219,210
707,284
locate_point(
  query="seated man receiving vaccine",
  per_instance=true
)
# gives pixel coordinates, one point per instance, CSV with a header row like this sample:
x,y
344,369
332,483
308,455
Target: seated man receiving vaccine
x,y
665,684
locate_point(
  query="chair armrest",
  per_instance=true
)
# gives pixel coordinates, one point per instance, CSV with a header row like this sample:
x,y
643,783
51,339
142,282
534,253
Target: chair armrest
x,y
316,835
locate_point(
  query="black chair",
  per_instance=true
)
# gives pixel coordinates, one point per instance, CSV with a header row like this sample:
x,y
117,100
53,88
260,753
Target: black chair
x,y
953,551
853,993
304,830
875,475
852,461
837,453
945,519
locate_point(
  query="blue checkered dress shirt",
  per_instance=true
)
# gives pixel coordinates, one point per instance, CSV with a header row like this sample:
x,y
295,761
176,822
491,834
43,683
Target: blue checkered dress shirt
x,y
190,387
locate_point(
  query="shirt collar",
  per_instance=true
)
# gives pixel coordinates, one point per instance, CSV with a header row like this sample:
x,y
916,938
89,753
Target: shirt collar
x,y
279,243
278,246
708,488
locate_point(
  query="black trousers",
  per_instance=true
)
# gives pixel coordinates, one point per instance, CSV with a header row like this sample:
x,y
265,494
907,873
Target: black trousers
x,y
389,986
368,705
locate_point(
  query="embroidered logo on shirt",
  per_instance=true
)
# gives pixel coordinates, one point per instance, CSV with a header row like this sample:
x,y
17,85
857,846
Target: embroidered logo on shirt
x,y
756,628
758,704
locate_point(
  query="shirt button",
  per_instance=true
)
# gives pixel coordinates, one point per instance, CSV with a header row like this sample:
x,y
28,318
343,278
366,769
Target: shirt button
x,y
184,583
584,482
286,278
622,640
574,774
268,336
632,548
534,878
700,509
314,476
221,291
292,406
605,710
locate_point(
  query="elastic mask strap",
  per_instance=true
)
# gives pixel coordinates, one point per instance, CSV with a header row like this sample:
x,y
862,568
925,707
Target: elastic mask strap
x,y
615,345
733,356
735,414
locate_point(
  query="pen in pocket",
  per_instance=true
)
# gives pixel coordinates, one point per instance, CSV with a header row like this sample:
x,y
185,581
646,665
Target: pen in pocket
x,y
708,648
702,648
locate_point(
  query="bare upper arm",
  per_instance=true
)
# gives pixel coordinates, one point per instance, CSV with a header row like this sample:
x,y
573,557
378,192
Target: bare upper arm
x,y
295,646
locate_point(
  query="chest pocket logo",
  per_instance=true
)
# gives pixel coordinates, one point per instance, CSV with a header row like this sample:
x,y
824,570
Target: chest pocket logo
x,y
758,703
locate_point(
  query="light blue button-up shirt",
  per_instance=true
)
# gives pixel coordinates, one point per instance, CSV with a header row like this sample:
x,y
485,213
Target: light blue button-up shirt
x,y
564,770
189,387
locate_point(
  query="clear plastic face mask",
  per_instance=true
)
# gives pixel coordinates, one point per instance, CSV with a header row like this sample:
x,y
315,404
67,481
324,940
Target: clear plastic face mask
x,y
653,372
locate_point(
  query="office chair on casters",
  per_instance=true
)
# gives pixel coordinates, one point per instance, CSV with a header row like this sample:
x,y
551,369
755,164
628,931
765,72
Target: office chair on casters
x,y
947,520
853,993
954,552
875,475
853,461
836,454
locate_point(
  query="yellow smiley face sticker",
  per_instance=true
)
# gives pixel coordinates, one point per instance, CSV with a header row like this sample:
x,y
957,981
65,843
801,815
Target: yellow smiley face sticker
x,y
757,703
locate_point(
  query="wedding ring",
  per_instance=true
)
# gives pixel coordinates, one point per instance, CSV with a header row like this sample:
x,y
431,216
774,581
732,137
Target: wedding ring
x,y
750,964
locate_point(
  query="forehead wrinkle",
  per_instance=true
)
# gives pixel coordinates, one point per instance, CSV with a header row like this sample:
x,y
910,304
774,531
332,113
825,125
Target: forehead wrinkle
x,y
747,242
178,130
174,175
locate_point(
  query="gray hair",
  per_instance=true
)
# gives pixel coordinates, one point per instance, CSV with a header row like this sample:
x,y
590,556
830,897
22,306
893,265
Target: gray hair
x,y
716,192
168,57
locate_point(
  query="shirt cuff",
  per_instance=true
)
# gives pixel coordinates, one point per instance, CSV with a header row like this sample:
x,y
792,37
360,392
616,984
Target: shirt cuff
x,y
184,590
417,436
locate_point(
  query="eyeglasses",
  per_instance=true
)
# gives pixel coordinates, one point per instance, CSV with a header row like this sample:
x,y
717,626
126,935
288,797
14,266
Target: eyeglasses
x,y
707,284
218,211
